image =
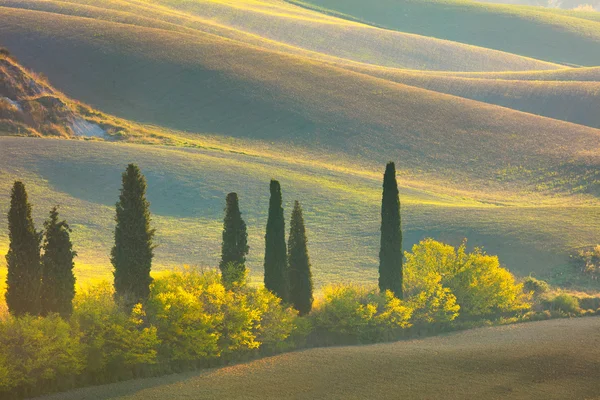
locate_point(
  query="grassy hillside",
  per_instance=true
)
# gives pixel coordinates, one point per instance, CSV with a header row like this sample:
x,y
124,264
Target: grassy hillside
x,y
276,25
187,188
209,84
560,96
552,35
565,4
541,360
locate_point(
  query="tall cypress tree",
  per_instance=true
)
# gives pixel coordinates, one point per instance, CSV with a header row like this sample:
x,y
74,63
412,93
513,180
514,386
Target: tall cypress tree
x,y
23,259
276,271
390,254
301,286
133,250
234,247
58,280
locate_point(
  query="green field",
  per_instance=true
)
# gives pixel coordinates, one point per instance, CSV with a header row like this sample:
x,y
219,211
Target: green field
x,y
541,360
187,188
552,35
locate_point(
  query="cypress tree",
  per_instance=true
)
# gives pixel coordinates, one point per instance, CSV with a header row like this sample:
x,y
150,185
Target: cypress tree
x,y
276,274
23,259
133,250
390,254
234,247
58,280
301,286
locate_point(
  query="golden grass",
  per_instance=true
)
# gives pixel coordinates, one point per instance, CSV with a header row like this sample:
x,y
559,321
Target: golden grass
x,y
540,360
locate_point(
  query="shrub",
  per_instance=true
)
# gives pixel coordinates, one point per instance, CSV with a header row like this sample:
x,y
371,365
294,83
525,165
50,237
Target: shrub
x,y
116,344
481,286
198,318
564,303
587,261
354,314
535,286
38,353
276,323
589,302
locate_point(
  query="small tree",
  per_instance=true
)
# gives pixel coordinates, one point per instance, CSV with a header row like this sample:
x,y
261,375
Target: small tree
x,y
58,280
235,242
301,286
133,250
23,258
276,274
390,254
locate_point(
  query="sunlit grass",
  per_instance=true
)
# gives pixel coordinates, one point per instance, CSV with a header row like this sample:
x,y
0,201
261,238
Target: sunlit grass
x,y
294,30
552,35
187,188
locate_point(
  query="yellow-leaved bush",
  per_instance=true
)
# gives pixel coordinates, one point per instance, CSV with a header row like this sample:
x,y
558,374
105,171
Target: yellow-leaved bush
x,y
355,314
189,318
198,318
441,282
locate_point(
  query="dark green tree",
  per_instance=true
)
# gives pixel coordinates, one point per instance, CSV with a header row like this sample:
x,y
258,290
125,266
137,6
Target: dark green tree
x,y
23,259
133,250
234,247
390,254
301,286
58,280
276,271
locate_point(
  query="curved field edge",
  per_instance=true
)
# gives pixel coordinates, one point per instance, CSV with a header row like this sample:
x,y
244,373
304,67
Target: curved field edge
x,y
538,360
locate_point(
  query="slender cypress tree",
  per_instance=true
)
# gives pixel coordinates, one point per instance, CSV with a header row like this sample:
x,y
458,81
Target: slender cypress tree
x,y
58,280
301,286
23,259
234,247
133,250
276,274
390,254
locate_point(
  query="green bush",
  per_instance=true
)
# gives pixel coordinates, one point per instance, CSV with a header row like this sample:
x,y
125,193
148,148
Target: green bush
x,y
116,344
563,303
37,351
535,286
589,302
352,314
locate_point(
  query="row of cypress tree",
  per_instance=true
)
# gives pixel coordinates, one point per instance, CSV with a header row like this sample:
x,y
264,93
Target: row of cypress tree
x,y
40,284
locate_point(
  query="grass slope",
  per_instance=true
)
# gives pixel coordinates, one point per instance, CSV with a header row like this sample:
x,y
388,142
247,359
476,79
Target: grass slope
x,y
205,83
280,26
562,98
552,35
187,188
541,360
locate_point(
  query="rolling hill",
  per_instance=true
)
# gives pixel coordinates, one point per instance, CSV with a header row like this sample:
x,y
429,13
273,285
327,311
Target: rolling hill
x,y
542,360
209,84
552,35
236,109
187,188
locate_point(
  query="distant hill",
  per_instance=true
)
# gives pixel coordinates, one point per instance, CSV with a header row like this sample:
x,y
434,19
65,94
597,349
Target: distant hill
x,y
565,4
551,35
540,360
